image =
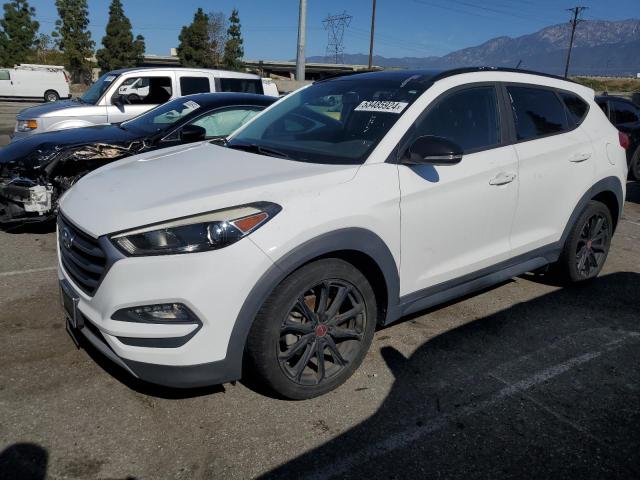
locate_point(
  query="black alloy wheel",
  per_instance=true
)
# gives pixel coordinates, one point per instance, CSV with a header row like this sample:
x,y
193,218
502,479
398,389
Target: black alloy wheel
x,y
313,330
593,245
587,245
322,333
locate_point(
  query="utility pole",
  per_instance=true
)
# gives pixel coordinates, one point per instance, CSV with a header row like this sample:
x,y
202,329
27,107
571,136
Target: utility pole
x,y
335,26
302,29
574,23
373,27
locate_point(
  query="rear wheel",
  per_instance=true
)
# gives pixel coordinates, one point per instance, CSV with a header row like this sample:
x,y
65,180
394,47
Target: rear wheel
x,y
587,245
314,330
51,96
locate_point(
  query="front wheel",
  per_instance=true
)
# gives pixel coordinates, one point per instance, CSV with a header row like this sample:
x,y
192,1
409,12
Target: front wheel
x,y
314,330
51,96
587,245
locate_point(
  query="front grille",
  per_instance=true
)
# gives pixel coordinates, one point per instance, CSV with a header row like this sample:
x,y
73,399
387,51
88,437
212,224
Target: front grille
x,y
82,257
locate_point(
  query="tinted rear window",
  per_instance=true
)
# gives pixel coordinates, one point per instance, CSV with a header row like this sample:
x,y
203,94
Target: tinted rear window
x,y
242,85
536,112
191,85
622,112
576,107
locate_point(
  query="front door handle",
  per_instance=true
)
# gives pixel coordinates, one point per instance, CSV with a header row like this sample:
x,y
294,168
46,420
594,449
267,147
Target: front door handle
x,y
580,157
502,178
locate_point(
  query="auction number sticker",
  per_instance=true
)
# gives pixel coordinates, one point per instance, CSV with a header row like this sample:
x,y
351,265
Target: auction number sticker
x,y
110,78
381,106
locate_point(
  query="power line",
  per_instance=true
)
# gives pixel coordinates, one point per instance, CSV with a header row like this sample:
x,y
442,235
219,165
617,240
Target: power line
x,y
574,23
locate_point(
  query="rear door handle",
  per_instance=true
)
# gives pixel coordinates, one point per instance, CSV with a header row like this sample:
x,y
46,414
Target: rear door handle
x,y
502,178
580,157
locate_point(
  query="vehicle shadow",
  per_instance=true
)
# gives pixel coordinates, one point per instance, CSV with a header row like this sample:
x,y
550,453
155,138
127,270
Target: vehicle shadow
x,y
23,461
633,192
544,389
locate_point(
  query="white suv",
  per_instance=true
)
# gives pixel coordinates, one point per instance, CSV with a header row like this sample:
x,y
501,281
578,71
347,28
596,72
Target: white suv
x,y
342,207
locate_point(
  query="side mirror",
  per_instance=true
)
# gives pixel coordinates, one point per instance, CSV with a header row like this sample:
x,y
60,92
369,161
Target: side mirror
x,y
432,150
192,133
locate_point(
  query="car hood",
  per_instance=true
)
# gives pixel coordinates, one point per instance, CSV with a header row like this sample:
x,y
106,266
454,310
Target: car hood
x,y
62,108
30,149
186,180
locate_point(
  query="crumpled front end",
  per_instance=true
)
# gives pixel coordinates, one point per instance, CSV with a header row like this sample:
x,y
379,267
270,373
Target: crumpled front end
x,y
30,187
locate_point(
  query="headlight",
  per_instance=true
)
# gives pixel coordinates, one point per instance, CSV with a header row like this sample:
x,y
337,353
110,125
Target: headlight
x,y
198,233
26,125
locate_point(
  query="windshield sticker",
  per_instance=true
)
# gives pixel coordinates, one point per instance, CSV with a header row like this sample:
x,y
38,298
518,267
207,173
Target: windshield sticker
x,y
191,104
381,106
110,78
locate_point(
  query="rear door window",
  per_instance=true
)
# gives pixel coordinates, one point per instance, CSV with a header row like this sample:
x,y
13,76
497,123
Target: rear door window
x,y
242,85
577,108
468,118
191,85
537,112
622,112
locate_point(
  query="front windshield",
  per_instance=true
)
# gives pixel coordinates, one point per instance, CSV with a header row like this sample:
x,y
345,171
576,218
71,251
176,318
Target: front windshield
x,y
162,117
98,88
338,122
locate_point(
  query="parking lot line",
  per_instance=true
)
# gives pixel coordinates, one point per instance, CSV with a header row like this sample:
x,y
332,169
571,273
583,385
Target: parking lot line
x,y
28,270
405,437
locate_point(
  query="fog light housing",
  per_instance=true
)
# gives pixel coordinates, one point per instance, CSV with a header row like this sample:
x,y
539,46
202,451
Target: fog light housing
x,y
167,313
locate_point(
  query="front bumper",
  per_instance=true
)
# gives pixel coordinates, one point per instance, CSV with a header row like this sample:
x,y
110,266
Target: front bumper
x,y
213,285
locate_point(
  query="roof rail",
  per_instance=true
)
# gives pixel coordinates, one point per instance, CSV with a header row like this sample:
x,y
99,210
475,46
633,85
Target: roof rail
x,y
33,66
459,71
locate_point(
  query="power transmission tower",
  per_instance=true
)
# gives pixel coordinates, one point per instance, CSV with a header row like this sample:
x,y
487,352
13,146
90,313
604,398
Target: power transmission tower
x,y
576,11
335,26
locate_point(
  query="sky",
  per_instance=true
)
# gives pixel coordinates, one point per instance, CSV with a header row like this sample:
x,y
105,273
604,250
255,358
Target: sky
x,y
404,28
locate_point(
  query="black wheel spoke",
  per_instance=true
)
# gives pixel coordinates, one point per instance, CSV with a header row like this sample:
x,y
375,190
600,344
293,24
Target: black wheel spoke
x,y
321,305
297,327
343,317
345,334
335,353
337,302
320,359
296,347
304,361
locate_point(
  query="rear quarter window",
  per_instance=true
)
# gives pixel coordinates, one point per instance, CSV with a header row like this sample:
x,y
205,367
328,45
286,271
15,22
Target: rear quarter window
x,y
241,85
191,85
577,108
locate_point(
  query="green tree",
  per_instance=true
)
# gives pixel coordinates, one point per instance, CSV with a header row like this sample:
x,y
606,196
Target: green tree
x,y
73,38
18,33
233,50
194,48
120,49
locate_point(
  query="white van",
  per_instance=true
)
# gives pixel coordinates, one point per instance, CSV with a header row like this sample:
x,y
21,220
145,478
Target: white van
x,y
123,94
43,82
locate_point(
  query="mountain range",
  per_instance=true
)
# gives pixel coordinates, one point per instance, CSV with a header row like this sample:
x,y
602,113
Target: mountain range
x,y
600,48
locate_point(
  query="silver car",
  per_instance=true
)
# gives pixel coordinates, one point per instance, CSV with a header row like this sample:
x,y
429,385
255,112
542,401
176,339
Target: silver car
x,y
123,94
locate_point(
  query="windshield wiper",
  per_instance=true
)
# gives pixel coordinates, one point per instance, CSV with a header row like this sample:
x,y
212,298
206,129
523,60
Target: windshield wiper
x,y
253,147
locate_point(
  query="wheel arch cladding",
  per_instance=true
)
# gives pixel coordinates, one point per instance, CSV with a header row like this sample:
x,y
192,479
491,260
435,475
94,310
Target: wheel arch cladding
x,y
608,191
360,247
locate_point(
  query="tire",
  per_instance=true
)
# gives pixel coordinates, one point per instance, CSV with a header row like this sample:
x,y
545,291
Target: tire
x,y
51,96
292,328
634,166
587,245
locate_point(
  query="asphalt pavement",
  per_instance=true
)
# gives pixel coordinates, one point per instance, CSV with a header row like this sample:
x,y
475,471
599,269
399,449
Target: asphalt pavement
x,y
8,112
525,380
